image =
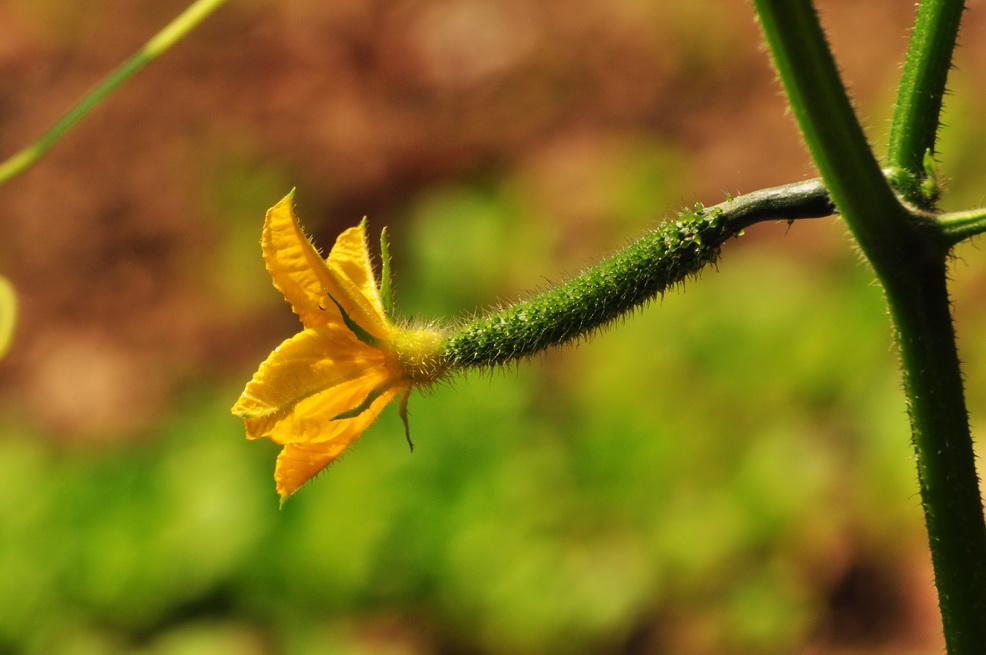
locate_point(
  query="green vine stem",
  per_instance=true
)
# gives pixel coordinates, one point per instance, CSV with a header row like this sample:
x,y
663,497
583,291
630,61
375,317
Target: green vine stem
x,y
828,123
914,129
959,226
158,45
908,253
661,259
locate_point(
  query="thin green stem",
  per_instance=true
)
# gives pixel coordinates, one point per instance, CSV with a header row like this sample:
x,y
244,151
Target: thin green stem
x,y
914,129
161,42
958,226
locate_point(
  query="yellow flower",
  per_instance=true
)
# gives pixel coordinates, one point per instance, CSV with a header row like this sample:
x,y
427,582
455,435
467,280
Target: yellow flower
x,y
319,390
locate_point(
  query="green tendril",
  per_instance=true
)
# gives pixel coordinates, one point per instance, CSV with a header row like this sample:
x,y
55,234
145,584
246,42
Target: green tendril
x,y
158,45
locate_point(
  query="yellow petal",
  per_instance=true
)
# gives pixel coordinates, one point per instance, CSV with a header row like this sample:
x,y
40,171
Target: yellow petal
x,y
349,261
299,462
304,278
311,420
308,363
299,272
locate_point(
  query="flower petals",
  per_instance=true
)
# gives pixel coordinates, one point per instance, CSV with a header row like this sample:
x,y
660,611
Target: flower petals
x,y
305,279
312,420
299,463
308,363
297,269
319,390
301,460
349,261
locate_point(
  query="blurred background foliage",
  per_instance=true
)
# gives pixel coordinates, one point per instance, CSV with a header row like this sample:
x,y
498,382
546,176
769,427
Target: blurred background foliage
x,y
726,471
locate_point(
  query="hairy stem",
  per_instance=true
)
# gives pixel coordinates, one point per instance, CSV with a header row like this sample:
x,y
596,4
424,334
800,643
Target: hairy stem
x,y
831,130
908,252
914,129
919,302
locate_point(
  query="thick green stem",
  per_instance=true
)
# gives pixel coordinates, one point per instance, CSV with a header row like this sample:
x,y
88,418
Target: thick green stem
x,y
950,495
661,259
909,253
834,136
914,129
